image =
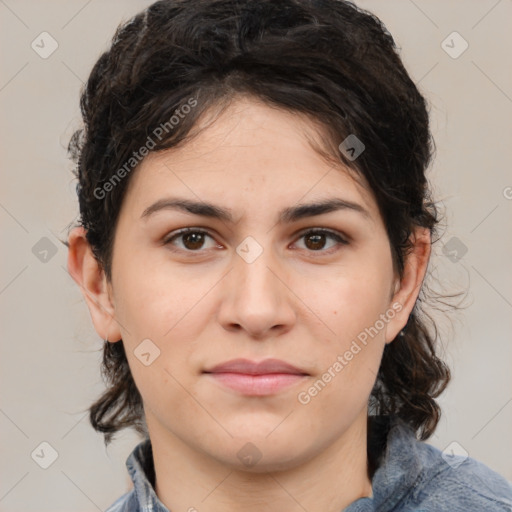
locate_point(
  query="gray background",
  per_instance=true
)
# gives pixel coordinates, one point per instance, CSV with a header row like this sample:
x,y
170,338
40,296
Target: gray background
x,y
50,351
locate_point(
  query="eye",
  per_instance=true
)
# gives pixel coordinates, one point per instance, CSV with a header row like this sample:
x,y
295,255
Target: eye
x,y
315,239
193,239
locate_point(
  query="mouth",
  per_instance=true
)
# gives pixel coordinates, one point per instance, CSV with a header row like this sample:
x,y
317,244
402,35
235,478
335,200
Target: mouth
x,y
256,379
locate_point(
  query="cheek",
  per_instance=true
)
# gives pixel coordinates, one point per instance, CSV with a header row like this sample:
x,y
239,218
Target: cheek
x,y
161,314
154,300
348,365
350,301
352,307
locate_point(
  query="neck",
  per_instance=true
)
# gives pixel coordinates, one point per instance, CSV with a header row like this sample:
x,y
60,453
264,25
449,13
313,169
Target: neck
x,y
189,480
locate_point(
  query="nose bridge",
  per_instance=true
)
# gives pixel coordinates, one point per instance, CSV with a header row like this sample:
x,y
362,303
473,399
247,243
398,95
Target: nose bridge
x,y
252,269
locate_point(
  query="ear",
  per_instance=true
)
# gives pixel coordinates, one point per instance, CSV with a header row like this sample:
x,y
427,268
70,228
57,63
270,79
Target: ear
x,y
407,289
89,275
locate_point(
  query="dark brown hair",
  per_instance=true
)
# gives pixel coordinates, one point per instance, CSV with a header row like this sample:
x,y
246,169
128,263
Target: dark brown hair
x,y
327,60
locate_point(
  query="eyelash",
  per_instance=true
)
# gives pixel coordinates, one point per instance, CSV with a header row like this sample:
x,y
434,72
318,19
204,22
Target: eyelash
x,y
332,234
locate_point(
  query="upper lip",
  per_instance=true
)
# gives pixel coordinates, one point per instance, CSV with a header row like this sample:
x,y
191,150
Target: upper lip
x,y
248,367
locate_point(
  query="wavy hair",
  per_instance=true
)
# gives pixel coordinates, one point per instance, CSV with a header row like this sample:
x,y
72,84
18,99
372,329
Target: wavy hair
x,y
328,60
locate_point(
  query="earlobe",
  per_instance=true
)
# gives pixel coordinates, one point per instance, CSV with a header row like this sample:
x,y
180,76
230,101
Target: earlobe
x,y
407,291
90,277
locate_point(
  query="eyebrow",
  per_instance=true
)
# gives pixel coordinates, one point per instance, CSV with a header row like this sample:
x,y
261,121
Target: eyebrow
x,y
287,215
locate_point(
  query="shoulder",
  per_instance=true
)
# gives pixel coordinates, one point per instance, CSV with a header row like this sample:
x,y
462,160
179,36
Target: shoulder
x,y
414,475
126,503
459,483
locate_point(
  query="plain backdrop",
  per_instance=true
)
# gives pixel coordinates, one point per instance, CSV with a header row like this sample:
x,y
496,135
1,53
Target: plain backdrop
x,y
50,354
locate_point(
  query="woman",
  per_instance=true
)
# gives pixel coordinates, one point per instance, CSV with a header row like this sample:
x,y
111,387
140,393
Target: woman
x,y
255,230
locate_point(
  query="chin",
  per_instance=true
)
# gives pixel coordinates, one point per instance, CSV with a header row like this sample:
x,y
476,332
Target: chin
x,y
269,464
259,454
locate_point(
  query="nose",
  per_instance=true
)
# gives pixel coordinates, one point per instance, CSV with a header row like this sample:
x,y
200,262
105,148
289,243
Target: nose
x,y
257,297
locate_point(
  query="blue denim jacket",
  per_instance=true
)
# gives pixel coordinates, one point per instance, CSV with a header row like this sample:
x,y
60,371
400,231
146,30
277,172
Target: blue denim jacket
x,y
407,476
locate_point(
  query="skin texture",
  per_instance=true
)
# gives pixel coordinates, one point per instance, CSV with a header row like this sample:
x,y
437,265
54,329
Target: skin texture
x,y
302,300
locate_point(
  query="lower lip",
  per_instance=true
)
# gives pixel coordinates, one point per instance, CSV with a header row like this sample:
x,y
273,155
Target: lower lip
x,y
257,385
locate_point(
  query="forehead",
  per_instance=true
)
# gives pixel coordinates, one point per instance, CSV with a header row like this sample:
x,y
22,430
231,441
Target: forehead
x,y
250,151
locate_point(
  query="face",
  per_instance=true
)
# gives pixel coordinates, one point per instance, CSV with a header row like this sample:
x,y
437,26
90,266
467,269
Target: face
x,y
314,289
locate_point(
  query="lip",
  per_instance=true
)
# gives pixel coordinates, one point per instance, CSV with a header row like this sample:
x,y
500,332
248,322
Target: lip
x,y
251,378
248,367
